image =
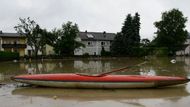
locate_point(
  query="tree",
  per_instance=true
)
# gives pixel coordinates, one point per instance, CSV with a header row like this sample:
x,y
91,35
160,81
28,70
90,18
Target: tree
x,y
136,24
145,42
104,52
66,43
127,42
146,48
171,33
117,47
36,37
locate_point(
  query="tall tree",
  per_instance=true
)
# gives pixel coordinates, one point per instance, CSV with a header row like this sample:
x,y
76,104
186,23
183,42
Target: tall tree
x,y
36,37
66,42
136,24
127,42
117,45
171,32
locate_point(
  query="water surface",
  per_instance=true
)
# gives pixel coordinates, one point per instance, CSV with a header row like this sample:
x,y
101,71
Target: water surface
x,y
15,95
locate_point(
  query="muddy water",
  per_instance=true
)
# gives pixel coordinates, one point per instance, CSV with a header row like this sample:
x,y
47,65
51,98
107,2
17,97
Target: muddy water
x,y
16,95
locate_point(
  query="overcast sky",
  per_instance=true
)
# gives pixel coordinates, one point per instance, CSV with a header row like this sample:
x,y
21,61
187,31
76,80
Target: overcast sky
x,y
90,15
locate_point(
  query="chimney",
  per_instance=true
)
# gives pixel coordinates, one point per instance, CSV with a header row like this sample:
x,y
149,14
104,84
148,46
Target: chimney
x,y
104,33
86,31
1,32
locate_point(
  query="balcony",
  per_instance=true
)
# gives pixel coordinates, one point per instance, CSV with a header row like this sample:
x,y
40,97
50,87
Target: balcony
x,y
13,45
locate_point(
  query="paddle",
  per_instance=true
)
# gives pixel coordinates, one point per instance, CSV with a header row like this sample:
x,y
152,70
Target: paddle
x,y
116,70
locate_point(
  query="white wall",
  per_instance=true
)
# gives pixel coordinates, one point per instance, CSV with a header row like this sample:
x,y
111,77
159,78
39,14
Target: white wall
x,y
93,47
187,49
29,48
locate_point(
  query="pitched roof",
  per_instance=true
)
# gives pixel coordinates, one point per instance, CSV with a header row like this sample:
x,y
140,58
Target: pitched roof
x,y
85,36
94,36
2,34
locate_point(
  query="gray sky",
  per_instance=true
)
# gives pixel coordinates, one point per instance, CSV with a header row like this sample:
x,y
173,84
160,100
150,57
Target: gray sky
x,y
90,15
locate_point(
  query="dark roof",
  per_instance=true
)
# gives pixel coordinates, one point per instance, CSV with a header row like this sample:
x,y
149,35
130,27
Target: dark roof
x,y
101,36
2,34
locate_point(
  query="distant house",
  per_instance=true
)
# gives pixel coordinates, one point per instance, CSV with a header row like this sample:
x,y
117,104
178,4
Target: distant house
x,y
47,50
186,47
94,42
12,42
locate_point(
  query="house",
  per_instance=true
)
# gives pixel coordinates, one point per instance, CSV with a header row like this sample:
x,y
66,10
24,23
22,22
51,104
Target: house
x,y
12,42
48,50
186,47
94,42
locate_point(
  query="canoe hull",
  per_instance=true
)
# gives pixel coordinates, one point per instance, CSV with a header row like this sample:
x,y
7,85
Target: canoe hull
x,y
104,84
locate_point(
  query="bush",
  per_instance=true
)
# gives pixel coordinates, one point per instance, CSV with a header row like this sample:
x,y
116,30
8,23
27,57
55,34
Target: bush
x,y
85,55
4,55
161,51
105,53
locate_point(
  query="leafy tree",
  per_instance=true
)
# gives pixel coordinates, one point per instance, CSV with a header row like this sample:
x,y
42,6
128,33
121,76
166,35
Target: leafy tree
x,y
171,33
51,38
36,37
146,47
66,39
145,42
127,42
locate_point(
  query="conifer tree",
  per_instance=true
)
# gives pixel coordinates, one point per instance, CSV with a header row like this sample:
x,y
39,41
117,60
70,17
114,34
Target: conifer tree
x,y
127,42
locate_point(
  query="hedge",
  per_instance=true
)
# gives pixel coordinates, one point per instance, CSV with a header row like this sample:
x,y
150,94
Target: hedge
x,y
5,55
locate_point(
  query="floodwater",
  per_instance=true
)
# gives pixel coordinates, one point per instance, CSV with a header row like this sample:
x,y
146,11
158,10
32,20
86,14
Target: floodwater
x,y
18,95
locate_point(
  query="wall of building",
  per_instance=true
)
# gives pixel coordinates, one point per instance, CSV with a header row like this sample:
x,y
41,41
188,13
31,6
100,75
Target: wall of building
x,y
22,52
49,50
93,47
186,51
13,40
29,52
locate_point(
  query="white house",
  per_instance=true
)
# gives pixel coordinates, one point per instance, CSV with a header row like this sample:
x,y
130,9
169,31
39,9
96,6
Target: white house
x,y
186,48
94,42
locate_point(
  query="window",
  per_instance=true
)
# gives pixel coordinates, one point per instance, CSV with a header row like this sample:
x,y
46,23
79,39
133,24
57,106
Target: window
x,y
89,43
90,36
102,43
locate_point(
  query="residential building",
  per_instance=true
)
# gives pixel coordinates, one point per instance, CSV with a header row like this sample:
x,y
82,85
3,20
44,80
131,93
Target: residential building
x,y
12,42
48,50
94,42
186,47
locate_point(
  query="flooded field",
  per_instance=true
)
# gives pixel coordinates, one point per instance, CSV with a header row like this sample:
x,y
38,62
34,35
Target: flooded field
x,y
16,95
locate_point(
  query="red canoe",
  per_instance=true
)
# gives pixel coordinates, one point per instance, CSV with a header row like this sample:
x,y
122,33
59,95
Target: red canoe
x,y
107,81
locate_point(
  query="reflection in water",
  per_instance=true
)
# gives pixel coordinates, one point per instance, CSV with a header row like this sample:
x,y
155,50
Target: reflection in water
x,y
92,66
89,94
155,66
1,77
43,97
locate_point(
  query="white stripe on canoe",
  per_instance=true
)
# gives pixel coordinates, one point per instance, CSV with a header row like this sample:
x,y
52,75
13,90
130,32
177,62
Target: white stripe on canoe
x,y
89,84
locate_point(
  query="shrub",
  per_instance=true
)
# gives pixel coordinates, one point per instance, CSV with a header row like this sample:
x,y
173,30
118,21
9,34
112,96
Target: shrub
x,y
86,55
5,55
163,51
104,52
